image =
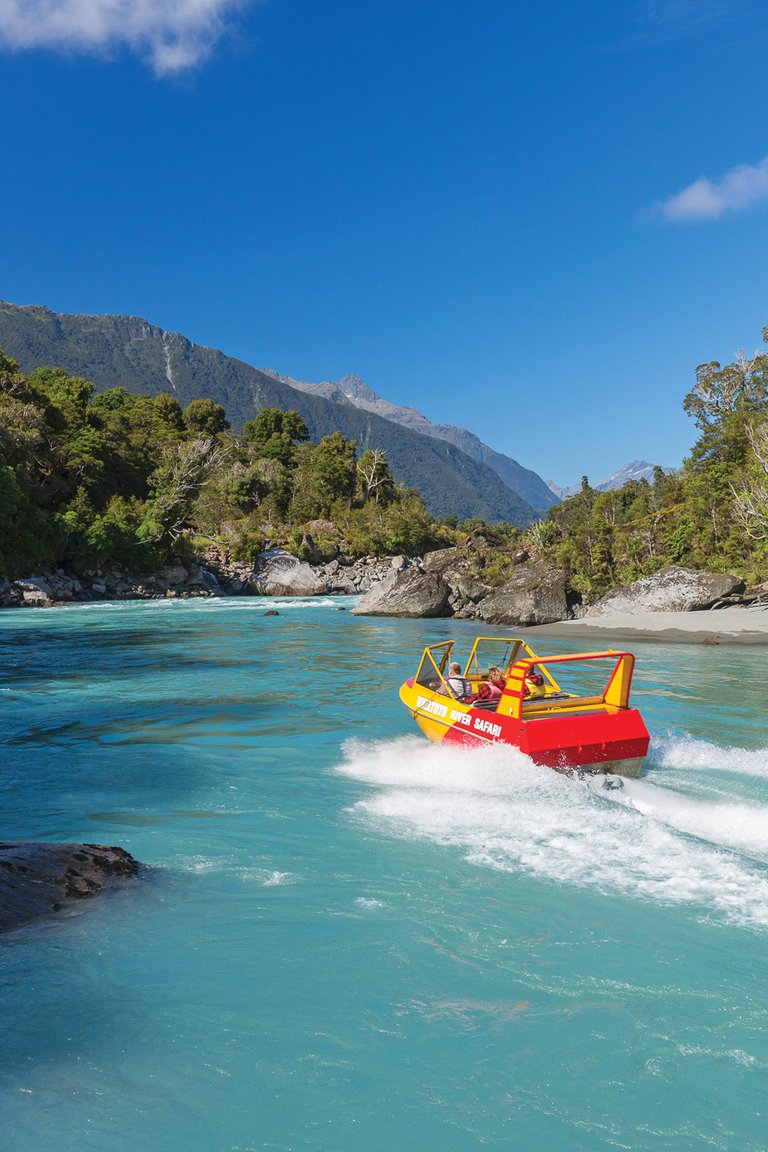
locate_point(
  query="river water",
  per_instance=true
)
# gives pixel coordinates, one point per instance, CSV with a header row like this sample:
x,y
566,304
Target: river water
x,y
350,940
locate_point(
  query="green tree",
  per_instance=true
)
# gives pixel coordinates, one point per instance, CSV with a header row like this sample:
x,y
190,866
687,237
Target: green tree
x,y
751,489
205,418
274,434
168,412
325,475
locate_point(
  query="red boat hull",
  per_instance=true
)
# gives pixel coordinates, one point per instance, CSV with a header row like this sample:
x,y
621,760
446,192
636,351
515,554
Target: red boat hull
x,y
592,741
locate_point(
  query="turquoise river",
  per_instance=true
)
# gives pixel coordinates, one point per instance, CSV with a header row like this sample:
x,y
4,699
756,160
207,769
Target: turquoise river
x,y
347,939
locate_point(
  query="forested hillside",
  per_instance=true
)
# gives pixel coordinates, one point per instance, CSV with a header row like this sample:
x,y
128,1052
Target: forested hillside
x,y
712,514
126,352
118,478
523,481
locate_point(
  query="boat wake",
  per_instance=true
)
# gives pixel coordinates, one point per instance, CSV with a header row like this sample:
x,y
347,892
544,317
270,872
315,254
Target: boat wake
x,y
686,753
645,840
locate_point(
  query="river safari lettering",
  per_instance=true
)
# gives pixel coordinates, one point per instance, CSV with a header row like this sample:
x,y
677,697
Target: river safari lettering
x,y
465,719
425,705
482,725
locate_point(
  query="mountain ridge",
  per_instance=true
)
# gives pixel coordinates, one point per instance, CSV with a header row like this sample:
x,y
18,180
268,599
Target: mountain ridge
x,y
128,351
527,483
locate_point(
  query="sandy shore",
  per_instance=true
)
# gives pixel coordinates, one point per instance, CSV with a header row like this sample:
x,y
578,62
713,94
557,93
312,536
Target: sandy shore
x,y
722,626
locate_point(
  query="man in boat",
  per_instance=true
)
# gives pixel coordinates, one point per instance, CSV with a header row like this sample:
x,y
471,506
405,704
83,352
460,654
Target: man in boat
x,y
457,685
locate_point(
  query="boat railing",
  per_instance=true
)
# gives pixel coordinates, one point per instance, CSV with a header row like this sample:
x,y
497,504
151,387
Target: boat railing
x,y
550,700
613,698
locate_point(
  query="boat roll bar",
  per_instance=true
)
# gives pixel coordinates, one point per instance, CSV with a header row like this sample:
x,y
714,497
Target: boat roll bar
x,y
615,695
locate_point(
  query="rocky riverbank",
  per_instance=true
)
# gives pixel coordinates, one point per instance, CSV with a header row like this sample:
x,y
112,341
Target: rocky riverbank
x,y
535,593
476,582
273,573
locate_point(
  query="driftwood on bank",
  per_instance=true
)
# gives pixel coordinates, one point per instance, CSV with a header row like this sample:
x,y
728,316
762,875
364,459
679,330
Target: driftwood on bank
x,y
39,879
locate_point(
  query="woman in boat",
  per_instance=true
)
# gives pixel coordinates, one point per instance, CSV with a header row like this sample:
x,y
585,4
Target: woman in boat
x,y
489,693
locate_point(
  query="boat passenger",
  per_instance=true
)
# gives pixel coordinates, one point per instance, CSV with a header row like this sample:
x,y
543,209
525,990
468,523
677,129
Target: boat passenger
x,y
456,684
534,686
489,693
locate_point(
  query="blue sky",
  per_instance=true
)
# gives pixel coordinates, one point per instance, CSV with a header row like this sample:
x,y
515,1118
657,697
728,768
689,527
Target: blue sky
x,y
532,220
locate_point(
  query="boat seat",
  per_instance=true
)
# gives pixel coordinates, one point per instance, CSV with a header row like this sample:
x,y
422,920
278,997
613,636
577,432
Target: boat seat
x,y
486,705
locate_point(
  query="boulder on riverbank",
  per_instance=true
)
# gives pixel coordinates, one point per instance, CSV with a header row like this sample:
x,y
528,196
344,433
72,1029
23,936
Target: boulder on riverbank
x,y
671,589
39,879
534,594
409,592
280,574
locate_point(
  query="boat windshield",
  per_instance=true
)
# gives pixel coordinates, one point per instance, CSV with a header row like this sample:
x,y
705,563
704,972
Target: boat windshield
x,y
490,651
432,665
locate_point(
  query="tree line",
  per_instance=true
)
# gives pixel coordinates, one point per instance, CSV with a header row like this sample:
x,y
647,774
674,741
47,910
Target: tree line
x,y
122,479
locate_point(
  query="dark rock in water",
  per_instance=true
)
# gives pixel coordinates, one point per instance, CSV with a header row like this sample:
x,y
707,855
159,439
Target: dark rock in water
x,y
406,593
271,612
38,879
671,589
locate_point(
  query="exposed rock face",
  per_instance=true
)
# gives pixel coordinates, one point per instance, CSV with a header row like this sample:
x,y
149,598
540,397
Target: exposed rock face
x,y
447,582
408,592
347,578
535,594
280,574
458,571
444,561
35,592
758,593
276,572
671,589
38,879
174,574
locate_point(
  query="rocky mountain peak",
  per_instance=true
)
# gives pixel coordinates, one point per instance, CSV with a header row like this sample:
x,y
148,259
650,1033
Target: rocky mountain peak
x,y
356,389
635,470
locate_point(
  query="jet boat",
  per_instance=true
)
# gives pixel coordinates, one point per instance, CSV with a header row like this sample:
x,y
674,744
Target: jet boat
x,y
585,727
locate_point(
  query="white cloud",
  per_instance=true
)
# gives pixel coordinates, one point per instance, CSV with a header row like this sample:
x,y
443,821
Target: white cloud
x,y
736,191
173,35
